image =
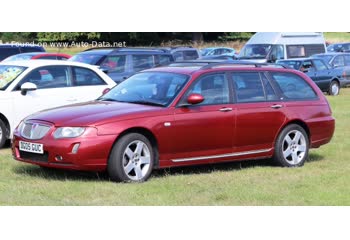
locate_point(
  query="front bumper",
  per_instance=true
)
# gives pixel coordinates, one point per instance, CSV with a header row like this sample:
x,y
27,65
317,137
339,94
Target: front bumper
x,y
92,153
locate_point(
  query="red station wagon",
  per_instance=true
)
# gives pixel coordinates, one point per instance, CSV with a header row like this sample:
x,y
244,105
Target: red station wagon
x,y
179,115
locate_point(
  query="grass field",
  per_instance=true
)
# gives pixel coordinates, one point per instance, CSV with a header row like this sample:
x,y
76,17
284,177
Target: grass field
x,y
324,180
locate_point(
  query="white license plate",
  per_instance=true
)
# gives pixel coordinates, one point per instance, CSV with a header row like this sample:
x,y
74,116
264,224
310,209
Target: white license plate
x,y
31,147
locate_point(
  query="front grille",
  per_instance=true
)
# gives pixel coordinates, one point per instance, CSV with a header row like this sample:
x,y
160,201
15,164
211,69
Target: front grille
x,y
34,130
34,156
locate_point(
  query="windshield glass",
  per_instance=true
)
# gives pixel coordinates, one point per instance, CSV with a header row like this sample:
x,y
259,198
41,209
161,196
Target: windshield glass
x,y
149,88
86,58
8,74
19,57
256,51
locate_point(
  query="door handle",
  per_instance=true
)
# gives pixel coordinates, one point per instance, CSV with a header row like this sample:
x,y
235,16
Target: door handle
x,y
277,106
72,99
225,109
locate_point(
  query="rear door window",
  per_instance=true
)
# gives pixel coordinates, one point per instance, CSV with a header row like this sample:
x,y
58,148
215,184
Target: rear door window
x,y
86,77
141,62
114,63
319,65
293,86
248,87
164,59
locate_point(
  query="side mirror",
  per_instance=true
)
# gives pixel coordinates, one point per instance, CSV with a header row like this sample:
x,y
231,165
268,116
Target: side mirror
x,y
28,86
195,98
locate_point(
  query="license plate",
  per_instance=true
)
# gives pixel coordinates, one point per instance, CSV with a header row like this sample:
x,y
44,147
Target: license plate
x,y
31,147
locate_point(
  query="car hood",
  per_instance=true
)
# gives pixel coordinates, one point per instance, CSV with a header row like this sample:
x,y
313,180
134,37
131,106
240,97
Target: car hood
x,y
95,113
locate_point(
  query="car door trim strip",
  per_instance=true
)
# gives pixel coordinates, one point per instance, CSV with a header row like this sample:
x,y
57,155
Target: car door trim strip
x,y
221,155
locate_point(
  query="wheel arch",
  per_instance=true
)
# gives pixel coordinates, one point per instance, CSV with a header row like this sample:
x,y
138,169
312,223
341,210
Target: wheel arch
x,y
297,122
7,124
149,135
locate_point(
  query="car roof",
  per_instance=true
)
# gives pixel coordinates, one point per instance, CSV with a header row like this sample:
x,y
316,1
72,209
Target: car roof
x,y
40,63
331,54
97,51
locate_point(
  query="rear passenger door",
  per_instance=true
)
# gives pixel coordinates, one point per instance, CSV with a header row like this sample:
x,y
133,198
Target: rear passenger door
x,y
260,113
87,85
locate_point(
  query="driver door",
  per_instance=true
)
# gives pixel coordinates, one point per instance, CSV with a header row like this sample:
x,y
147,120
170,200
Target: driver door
x,y
205,130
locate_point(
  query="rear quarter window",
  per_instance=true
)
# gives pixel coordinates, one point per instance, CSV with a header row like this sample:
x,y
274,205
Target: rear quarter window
x,y
293,87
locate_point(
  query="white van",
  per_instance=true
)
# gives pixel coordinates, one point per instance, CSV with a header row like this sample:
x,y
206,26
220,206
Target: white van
x,y
271,46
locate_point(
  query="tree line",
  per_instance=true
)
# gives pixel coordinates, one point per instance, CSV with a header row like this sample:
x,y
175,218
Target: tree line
x,y
132,38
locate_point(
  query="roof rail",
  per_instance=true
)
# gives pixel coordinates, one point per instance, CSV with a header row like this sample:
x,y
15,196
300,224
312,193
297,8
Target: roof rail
x,y
239,62
208,64
118,49
99,48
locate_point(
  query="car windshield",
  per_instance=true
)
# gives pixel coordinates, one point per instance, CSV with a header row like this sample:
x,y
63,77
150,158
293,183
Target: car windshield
x,y
87,58
291,63
255,51
19,57
148,88
8,74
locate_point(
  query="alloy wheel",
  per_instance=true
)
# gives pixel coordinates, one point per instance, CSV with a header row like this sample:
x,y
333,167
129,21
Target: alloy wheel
x,y
136,160
294,147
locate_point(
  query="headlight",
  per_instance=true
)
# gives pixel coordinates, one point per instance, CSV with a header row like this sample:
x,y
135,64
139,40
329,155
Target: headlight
x,y
68,132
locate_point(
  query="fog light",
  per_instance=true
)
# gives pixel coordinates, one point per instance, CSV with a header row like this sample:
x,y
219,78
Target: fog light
x,y
58,158
75,148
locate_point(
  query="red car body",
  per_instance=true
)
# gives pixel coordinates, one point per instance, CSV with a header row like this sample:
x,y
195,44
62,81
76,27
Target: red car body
x,y
58,56
180,135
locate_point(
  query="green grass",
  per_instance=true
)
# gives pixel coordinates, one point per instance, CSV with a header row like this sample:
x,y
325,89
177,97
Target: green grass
x,y
324,180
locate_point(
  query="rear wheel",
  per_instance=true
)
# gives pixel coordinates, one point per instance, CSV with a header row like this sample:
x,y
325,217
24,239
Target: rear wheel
x,y
334,88
292,146
3,134
131,159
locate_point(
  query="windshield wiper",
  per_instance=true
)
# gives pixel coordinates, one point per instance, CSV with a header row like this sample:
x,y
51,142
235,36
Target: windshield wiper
x,y
144,102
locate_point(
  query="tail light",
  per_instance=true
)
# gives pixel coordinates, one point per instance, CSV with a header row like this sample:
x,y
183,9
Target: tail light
x,y
106,90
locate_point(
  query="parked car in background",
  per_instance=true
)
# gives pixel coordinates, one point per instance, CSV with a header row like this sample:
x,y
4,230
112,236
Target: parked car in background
x,y
328,79
30,86
7,50
37,55
335,59
184,115
183,53
273,46
215,51
339,47
121,63
219,57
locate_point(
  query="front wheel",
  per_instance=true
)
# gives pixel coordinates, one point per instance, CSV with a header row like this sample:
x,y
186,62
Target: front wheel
x,y
131,159
292,146
3,134
334,88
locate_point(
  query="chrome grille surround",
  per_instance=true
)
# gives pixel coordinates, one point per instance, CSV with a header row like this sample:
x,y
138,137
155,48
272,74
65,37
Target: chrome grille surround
x,y
34,130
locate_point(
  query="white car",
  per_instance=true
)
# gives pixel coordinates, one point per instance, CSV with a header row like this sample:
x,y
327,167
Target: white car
x,y
30,86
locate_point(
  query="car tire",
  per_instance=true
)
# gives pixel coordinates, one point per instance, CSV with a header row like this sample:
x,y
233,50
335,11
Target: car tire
x,y
292,146
334,88
3,134
131,159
